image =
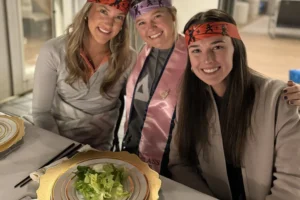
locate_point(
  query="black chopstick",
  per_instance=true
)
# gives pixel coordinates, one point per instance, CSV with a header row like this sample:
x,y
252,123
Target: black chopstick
x,y
69,154
53,159
74,151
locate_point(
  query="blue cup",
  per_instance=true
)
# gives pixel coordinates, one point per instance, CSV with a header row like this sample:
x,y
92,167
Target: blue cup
x,y
295,75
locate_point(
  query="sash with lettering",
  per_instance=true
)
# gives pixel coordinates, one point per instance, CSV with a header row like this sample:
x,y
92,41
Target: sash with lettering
x,y
158,124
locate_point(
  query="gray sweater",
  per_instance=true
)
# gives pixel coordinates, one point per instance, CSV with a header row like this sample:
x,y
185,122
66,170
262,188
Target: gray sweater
x,y
80,112
271,159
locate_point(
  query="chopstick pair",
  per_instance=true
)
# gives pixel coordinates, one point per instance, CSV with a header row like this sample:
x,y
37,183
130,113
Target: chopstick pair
x,y
69,151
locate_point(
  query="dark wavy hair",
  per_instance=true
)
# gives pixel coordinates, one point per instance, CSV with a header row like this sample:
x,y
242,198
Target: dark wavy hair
x,y
196,103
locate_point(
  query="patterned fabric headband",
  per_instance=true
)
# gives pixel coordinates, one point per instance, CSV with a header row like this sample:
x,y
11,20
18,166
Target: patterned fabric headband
x,y
122,5
199,32
148,5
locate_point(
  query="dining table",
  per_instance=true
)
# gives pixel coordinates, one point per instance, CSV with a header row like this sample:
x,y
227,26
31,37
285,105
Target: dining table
x,y
38,147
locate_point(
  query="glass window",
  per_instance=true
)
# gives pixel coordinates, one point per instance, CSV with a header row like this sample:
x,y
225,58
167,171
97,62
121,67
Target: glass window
x,y
37,28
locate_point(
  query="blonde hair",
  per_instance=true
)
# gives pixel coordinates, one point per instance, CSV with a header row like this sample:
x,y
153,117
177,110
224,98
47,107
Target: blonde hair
x,y
119,46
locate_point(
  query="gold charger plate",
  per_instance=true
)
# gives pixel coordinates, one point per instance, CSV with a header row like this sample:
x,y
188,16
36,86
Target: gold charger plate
x,y
48,180
20,134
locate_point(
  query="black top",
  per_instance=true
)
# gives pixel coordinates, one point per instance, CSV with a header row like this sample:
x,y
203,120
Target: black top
x,y
234,173
145,87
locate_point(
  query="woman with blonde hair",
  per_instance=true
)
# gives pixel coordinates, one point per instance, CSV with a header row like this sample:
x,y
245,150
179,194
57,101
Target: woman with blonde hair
x,y
80,75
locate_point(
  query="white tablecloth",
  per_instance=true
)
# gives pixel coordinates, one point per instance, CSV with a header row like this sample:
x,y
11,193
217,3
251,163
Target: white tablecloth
x,y
39,147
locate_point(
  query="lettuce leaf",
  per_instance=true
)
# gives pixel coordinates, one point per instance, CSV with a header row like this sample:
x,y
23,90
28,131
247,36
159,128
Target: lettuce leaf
x,y
102,182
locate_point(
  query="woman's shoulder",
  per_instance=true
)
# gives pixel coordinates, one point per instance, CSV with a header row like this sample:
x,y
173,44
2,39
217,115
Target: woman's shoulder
x,y
268,84
53,51
267,91
55,44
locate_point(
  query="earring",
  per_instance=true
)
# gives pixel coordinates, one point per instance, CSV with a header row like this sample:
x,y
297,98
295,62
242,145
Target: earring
x,y
192,70
85,18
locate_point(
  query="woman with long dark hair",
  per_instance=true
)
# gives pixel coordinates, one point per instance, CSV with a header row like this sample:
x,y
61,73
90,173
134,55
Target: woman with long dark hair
x,y
235,136
152,87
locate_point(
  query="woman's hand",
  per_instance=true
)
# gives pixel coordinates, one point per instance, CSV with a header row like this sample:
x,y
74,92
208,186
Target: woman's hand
x,y
292,93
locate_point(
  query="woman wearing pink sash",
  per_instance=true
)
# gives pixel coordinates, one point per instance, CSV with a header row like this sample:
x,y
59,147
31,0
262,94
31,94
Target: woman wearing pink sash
x,y
152,88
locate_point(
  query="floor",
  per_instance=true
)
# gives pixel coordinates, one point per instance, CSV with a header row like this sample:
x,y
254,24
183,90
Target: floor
x,y
272,57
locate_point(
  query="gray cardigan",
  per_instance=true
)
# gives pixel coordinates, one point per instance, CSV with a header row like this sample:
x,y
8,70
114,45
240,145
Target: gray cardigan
x,y
80,112
271,168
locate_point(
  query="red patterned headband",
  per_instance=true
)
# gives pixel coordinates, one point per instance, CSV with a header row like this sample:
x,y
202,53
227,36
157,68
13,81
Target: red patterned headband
x,y
201,31
122,5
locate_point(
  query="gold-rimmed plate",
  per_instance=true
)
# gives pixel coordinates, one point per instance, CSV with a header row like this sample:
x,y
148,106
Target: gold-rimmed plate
x,y
136,184
8,129
51,178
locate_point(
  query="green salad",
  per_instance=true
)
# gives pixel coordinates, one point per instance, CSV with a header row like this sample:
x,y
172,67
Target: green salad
x,y
101,182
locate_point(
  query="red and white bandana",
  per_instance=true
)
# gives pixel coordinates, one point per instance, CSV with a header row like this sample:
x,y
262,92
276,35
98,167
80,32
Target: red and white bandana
x,y
201,31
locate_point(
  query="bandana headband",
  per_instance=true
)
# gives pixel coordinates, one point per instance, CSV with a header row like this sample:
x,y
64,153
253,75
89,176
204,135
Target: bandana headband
x,y
148,5
199,32
122,5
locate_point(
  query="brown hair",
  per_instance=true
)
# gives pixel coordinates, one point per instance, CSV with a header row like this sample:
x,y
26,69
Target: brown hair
x,y
196,103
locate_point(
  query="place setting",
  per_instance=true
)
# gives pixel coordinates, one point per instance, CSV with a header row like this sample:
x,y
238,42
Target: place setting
x,y
12,131
80,172
100,175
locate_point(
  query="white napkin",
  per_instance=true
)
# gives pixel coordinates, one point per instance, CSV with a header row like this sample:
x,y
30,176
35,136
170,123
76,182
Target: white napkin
x,y
36,175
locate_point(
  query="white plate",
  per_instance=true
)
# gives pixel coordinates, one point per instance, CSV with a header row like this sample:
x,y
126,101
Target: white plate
x,y
64,189
8,129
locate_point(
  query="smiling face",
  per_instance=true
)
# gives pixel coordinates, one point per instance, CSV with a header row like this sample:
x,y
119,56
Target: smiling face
x,y
157,28
211,60
104,22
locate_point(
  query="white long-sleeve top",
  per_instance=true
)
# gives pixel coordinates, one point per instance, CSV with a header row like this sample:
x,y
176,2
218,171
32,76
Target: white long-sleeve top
x,y
78,112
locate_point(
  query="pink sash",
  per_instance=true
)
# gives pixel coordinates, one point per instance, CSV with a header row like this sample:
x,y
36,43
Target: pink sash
x,y
156,130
